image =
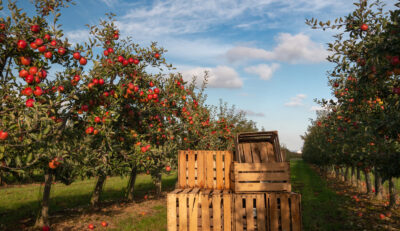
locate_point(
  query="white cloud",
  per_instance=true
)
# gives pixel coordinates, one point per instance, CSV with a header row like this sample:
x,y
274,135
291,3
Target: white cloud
x,y
77,36
254,114
218,77
296,101
291,48
317,108
263,70
110,3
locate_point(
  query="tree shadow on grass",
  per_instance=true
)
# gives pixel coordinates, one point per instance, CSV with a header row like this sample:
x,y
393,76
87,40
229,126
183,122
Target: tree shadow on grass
x,y
68,206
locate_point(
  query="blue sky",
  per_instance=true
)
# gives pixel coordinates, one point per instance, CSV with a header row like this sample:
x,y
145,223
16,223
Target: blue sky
x,y
260,54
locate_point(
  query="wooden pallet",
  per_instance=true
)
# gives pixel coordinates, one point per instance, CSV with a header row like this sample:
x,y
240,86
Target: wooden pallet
x,y
260,177
204,169
258,147
195,209
267,212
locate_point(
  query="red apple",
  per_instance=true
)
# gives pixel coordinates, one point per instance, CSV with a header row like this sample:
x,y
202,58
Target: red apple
x,y
61,51
116,36
143,149
38,91
48,55
76,55
33,45
29,102
91,226
120,59
60,88
21,44
168,168
46,228
156,90
47,37
136,61
395,60
42,49
85,107
3,135
38,42
29,79
157,55
53,43
82,61
104,224
101,81
146,197
25,60
35,28
130,60
97,119
89,130
110,50
382,216
23,73
364,27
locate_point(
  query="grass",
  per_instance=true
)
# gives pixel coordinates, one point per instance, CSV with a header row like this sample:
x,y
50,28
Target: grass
x,y
22,202
322,209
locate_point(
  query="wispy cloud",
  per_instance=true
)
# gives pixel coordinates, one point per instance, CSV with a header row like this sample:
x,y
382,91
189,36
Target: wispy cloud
x,y
297,48
263,70
296,101
253,114
218,77
110,3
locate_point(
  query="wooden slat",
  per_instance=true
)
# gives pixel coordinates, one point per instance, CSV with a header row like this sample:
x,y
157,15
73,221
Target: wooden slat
x,y
285,212
200,169
261,212
284,166
219,170
227,197
216,201
205,212
171,212
255,150
296,211
247,153
183,222
182,169
257,187
209,170
193,210
249,213
227,169
264,176
240,154
273,212
239,212
270,152
263,152
191,169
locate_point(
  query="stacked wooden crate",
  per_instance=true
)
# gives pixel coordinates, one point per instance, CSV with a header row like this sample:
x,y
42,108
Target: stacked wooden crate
x,y
250,190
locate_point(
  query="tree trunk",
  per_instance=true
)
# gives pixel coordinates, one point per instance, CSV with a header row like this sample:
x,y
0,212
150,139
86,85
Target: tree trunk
x,y
392,193
368,182
43,216
131,184
346,175
94,201
337,175
353,178
358,178
378,186
158,184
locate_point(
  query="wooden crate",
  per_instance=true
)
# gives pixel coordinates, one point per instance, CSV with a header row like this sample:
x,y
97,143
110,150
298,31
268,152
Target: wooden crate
x,y
267,212
204,169
258,147
260,177
195,209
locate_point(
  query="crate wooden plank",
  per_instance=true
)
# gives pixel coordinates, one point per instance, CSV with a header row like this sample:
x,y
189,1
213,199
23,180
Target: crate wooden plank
x,y
227,198
261,212
191,169
258,187
205,211
216,205
274,212
210,170
227,169
239,213
255,150
249,213
183,212
271,153
171,212
264,176
193,209
200,169
219,170
261,166
247,153
285,212
263,152
295,204
182,169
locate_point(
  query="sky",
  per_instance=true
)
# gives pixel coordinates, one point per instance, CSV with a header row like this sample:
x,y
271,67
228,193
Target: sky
x,y
260,54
